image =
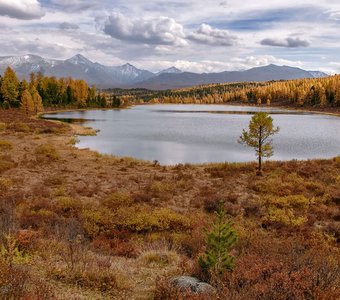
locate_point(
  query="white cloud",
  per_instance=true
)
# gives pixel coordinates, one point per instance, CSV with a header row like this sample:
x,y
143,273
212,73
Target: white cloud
x,y
208,66
287,42
156,31
263,60
75,5
146,40
205,34
21,9
335,15
68,26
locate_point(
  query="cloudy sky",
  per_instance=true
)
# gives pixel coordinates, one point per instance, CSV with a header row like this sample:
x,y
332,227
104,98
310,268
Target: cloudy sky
x,y
193,35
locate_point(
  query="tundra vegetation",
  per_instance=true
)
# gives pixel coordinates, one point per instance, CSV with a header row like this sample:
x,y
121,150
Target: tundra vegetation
x,y
75,224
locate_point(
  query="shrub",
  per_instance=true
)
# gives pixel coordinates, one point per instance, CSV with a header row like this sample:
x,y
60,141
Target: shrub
x,y
97,221
3,126
95,274
211,204
193,243
46,152
294,201
54,180
160,189
6,163
73,141
142,220
10,252
13,281
116,200
5,145
20,127
284,216
38,216
67,205
154,258
118,247
5,185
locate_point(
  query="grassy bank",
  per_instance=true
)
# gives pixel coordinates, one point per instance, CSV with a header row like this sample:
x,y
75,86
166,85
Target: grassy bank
x,y
76,224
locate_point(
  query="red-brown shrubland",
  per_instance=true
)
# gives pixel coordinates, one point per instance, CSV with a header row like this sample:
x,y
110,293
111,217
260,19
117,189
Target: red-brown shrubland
x,y
98,226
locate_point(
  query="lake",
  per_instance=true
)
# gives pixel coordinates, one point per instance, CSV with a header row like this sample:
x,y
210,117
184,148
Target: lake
x,y
172,133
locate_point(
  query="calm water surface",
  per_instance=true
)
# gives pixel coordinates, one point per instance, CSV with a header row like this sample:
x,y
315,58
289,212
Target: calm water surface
x,y
189,133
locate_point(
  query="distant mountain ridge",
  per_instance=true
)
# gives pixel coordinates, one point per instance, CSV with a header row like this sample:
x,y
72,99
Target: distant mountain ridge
x,y
128,76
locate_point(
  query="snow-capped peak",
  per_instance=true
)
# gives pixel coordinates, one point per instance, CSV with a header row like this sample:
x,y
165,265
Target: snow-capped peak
x,y
171,70
17,61
318,74
129,70
79,59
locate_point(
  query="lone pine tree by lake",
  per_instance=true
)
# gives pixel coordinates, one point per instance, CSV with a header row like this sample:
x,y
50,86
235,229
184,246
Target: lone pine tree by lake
x,y
258,137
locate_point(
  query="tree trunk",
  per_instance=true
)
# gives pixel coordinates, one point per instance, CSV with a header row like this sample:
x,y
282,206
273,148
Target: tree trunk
x,y
260,150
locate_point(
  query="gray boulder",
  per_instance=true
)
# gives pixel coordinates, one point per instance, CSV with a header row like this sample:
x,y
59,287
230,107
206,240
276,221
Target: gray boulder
x,y
188,283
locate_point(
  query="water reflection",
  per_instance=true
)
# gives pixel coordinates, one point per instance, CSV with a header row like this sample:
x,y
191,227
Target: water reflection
x,y
203,133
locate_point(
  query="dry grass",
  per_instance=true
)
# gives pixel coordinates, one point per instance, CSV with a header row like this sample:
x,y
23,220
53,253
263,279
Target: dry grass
x,y
81,130
105,227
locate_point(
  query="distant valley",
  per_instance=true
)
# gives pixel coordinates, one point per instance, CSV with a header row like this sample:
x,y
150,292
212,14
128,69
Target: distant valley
x,y
128,76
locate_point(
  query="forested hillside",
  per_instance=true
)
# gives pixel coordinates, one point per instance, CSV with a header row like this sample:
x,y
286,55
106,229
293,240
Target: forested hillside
x,y
42,91
322,92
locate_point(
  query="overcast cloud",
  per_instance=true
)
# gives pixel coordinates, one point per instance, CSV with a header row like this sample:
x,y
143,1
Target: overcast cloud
x,y
193,35
21,9
287,42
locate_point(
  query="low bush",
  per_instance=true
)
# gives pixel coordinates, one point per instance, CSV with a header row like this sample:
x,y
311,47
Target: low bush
x,y
54,180
284,216
5,145
142,220
298,202
97,221
46,153
5,185
68,206
20,127
155,258
116,200
6,163
3,126
160,189
13,281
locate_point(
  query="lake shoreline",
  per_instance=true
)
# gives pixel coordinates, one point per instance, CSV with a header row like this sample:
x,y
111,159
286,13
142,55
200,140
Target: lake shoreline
x,y
326,111
207,144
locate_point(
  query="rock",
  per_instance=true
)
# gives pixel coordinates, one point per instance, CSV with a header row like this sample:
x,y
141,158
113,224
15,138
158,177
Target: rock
x,y
188,283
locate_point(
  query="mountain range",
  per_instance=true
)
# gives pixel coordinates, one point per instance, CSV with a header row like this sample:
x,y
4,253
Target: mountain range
x,y
128,76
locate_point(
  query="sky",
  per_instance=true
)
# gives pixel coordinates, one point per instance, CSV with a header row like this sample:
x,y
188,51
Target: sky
x,y
192,35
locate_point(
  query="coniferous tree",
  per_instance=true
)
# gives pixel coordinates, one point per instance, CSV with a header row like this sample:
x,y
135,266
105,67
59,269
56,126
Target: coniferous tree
x,y
27,105
9,88
220,240
37,101
260,130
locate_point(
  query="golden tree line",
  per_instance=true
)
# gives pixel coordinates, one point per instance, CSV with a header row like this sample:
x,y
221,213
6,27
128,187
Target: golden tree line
x,y
322,92
39,91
